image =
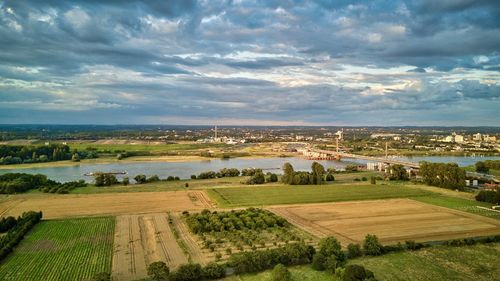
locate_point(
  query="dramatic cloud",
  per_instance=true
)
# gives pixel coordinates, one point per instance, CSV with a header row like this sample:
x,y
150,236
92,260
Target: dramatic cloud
x,y
250,62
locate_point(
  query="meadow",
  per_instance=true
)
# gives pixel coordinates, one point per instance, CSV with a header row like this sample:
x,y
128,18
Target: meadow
x,y
71,249
460,204
286,194
478,262
435,263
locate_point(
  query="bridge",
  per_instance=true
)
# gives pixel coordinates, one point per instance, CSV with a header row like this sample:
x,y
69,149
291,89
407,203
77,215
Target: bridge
x,y
329,154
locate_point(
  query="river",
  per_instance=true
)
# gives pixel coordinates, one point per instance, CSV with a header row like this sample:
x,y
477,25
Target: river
x,y
185,169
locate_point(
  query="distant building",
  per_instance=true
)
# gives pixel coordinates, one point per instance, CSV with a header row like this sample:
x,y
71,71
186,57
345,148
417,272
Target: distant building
x,y
459,138
477,137
340,134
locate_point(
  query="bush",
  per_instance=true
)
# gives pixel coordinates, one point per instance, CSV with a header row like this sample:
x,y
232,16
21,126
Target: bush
x,y
318,262
489,196
281,273
102,276
193,177
329,177
104,179
213,271
351,168
140,179
373,180
412,245
272,177
330,247
354,272
353,251
158,271
187,272
481,167
372,246
125,181
257,178
153,178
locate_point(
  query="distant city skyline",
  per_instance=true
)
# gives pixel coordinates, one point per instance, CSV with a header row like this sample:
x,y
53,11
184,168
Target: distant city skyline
x,y
275,63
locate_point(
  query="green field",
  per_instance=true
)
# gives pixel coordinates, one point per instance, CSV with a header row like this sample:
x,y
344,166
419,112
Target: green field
x,y
153,149
460,204
299,273
478,262
285,194
69,250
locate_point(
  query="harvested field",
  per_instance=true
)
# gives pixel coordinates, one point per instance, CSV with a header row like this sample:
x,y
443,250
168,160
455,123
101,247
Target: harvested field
x,y
62,206
141,240
394,220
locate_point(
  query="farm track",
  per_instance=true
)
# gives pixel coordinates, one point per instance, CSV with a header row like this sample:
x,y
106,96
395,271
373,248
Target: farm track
x,y
141,240
193,246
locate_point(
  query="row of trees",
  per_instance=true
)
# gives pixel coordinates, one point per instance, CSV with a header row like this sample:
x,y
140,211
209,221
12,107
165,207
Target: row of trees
x,y
11,183
16,233
250,218
159,271
485,166
445,175
318,175
18,154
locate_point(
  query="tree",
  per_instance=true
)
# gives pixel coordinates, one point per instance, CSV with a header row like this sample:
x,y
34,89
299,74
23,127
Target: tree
x,y
329,247
445,175
213,271
318,173
353,251
354,272
481,167
140,179
281,273
398,172
187,272
288,173
331,264
318,262
329,177
271,177
373,180
125,181
158,271
372,246
75,157
257,178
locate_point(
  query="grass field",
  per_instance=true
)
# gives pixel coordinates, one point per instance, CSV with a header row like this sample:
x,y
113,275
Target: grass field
x,y
299,273
62,250
285,194
460,204
154,149
478,262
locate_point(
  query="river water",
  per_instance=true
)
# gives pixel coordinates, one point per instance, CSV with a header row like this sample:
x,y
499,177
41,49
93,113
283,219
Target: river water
x,y
185,169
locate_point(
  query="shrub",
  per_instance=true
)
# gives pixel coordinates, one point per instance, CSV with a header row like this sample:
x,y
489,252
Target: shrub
x,y
158,271
193,177
372,246
354,272
281,273
329,177
257,178
213,271
140,179
125,181
373,180
187,272
353,251
318,262
489,196
272,177
412,245
102,276
153,178
364,179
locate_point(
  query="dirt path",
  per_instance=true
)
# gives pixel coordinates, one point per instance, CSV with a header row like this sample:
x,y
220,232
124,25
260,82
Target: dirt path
x,y
141,240
193,245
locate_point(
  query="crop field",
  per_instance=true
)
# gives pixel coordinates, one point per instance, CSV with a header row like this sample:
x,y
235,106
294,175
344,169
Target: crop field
x,y
151,148
141,240
219,234
460,204
285,194
394,220
71,250
57,206
477,262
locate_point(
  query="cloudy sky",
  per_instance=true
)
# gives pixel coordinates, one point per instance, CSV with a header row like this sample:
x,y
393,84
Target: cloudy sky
x,y
250,62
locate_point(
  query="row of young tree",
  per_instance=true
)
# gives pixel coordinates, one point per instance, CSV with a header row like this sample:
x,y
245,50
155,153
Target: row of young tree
x,y
18,154
318,175
251,218
16,233
445,175
11,183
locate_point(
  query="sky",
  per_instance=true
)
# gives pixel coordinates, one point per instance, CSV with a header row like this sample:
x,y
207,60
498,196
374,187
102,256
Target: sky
x,y
339,63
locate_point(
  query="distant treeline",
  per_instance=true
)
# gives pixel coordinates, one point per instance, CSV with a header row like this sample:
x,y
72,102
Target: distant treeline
x,y
11,183
18,228
19,154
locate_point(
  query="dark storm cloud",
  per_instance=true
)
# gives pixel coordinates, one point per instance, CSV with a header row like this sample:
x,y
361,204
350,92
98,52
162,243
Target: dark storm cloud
x,y
307,61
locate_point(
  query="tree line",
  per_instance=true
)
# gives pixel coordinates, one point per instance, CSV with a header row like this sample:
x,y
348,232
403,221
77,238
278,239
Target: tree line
x,y
11,183
318,175
19,154
445,175
16,233
486,166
